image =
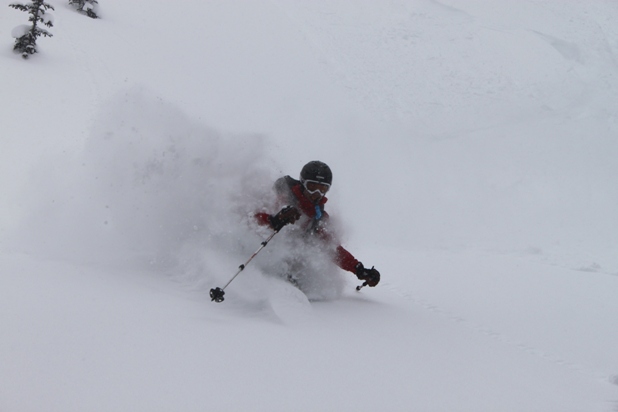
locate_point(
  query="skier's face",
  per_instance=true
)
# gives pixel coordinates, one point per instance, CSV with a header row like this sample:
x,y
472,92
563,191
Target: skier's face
x,y
315,191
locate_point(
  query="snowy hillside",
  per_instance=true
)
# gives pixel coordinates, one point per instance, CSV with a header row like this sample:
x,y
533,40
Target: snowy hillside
x,y
473,145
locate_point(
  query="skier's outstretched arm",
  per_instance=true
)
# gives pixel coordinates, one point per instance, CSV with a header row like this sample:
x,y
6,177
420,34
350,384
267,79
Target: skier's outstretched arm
x,y
346,261
287,215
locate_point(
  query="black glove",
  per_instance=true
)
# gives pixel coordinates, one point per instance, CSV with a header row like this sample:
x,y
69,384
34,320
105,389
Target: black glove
x,y
288,214
371,276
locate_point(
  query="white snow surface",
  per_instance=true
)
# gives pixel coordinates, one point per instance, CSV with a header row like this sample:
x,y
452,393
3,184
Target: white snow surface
x,y
473,145
19,31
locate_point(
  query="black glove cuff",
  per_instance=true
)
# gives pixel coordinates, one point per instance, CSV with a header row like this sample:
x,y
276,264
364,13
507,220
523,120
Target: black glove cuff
x,y
275,223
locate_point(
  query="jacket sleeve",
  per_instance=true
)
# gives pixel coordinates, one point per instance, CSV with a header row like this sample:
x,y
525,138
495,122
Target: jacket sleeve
x,y
281,190
345,260
262,218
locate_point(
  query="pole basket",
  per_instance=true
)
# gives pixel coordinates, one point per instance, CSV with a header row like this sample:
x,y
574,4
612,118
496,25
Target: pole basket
x,y
216,295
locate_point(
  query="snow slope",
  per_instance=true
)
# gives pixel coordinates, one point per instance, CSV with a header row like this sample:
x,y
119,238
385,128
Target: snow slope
x,y
473,145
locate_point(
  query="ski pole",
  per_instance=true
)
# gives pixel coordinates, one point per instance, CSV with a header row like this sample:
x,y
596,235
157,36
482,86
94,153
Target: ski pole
x,y
359,287
216,294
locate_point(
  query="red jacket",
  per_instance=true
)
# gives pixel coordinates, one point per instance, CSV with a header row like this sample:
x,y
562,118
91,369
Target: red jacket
x,y
290,192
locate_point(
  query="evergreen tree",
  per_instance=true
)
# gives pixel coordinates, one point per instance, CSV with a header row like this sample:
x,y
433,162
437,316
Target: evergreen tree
x,y
87,7
25,42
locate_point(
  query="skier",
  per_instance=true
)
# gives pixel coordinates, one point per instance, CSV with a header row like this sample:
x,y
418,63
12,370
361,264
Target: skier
x,y
303,206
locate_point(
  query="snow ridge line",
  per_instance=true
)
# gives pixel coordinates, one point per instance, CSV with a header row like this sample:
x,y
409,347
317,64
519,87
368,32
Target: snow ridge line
x,y
500,337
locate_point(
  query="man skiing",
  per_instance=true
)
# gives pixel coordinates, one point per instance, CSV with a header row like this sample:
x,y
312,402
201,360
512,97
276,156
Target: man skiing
x,y
303,207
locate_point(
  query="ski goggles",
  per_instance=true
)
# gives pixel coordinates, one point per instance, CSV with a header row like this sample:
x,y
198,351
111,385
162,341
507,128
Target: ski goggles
x,y
312,187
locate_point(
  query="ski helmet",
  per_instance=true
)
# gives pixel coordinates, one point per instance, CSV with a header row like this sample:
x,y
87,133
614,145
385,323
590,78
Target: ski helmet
x,y
316,171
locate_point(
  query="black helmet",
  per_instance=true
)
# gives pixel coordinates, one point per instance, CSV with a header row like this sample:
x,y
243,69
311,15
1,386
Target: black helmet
x,y
316,171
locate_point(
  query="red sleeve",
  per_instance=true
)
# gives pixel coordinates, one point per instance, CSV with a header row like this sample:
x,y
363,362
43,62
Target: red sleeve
x,y
345,260
263,218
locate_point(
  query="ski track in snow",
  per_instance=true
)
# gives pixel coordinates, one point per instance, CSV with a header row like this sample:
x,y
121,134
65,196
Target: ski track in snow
x,y
500,337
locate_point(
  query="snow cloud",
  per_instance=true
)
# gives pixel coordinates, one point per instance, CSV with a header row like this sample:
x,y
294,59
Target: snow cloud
x,y
150,182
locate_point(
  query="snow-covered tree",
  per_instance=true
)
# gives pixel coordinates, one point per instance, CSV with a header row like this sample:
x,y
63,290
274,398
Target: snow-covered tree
x,y
87,7
26,35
